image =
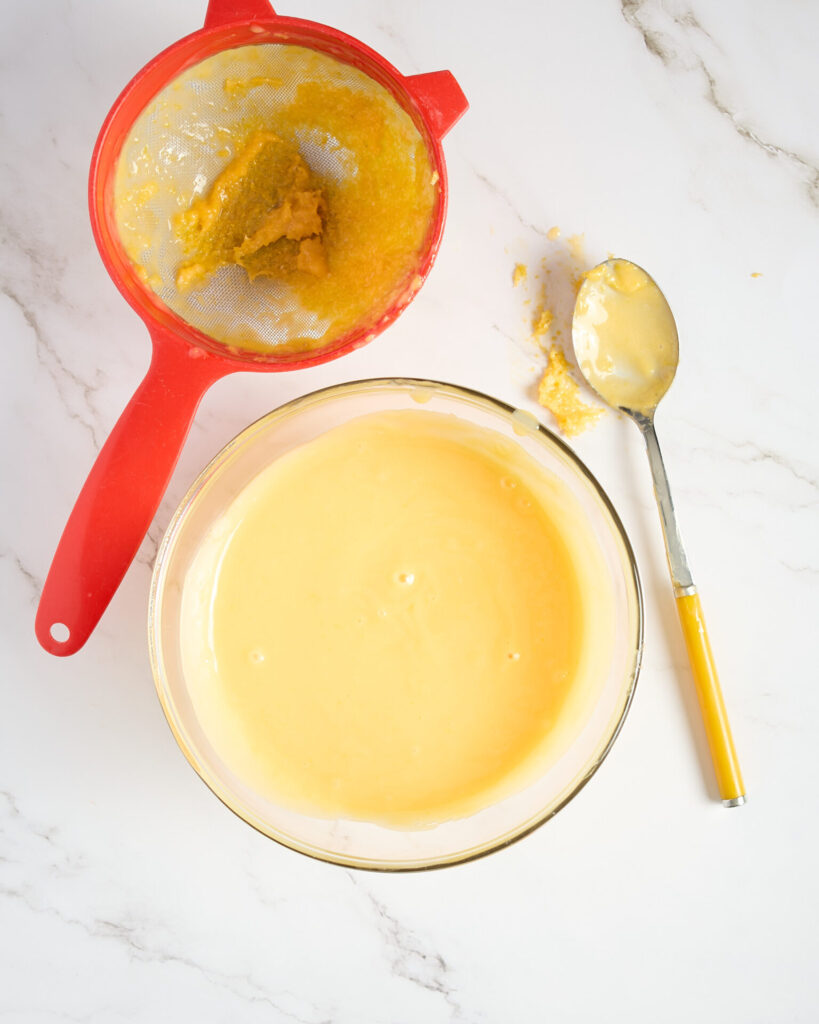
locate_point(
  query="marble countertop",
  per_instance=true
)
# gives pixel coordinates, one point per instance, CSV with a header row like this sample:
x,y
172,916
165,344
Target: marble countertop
x,y
681,135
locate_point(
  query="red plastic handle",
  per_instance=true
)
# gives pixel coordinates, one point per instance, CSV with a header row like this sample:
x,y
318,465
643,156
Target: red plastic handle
x,y
236,12
122,493
440,98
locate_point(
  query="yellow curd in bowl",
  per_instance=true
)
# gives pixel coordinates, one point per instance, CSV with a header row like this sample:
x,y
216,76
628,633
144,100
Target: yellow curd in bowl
x,y
395,624
401,621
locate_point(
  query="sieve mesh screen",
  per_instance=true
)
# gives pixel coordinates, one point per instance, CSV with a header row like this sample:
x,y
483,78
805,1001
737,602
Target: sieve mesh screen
x,y
358,141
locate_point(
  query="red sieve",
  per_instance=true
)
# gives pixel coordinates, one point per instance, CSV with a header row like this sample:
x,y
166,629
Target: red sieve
x,y
125,486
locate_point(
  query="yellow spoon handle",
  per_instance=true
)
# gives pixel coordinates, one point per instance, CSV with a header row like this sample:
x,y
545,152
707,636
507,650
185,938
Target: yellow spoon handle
x,y
712,706
706,681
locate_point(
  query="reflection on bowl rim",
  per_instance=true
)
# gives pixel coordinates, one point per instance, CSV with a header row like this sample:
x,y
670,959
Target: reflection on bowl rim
x,y
288,410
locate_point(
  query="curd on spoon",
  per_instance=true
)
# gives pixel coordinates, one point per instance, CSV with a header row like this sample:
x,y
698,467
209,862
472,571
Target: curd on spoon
x,y
625,336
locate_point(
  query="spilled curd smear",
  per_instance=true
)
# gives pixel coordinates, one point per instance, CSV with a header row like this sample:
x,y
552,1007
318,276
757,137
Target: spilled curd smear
x,y
558,392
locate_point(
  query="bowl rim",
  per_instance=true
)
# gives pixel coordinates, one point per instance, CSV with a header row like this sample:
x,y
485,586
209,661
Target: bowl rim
x,y
288,410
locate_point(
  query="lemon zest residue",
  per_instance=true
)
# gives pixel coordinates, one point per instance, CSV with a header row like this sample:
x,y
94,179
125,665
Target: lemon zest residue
x,y
560,394
242,86
264,212
542,322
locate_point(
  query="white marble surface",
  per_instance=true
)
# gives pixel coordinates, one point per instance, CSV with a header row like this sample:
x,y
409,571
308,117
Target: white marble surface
x,y
682,135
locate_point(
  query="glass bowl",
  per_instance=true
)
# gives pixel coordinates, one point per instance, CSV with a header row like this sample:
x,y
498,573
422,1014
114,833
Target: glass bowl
x,y
365,844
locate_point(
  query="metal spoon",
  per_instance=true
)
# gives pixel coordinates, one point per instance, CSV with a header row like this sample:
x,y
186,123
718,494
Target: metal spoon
x,y
625,340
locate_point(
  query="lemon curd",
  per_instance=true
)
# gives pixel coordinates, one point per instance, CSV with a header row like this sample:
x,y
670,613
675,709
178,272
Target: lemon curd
x,y
400,621
625,337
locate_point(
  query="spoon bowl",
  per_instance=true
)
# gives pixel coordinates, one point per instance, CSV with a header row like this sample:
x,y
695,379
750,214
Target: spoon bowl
x,y
625,337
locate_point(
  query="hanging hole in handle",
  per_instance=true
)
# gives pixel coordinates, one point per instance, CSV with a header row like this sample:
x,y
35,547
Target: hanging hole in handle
x,y
60,633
